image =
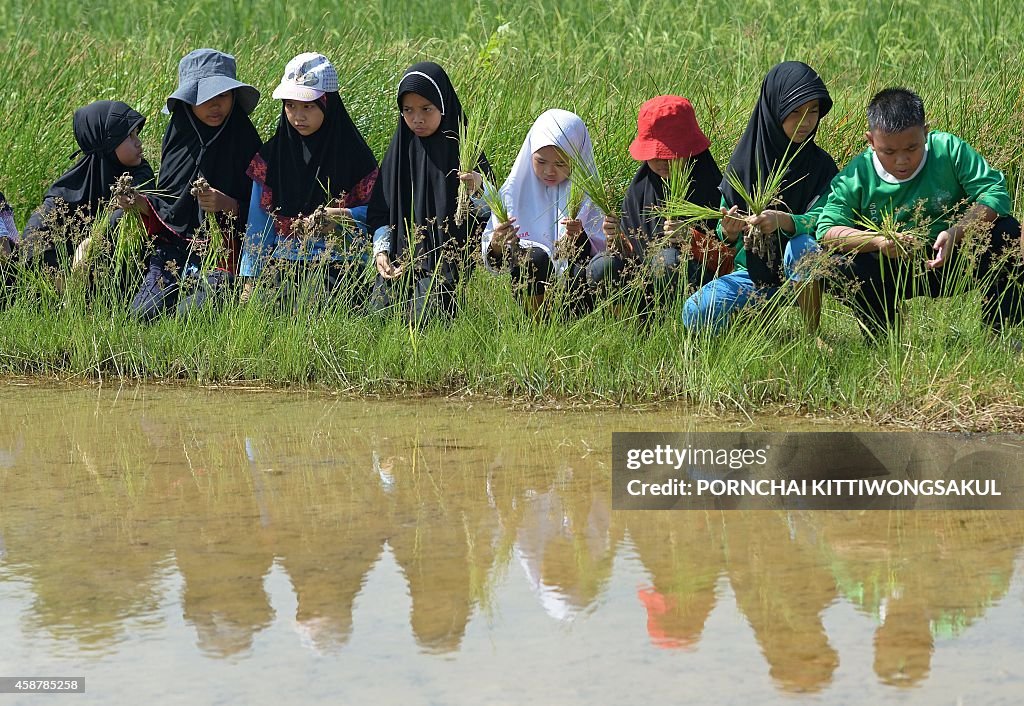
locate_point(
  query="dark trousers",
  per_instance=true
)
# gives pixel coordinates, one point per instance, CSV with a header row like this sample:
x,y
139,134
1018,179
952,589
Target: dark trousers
x,y
533,274
874,285
423,297
173,282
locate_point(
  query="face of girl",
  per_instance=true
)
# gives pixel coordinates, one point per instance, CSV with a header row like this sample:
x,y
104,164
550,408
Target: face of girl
x,y
420,115
129,152
216,110
305,116
660,166
551,165
802,121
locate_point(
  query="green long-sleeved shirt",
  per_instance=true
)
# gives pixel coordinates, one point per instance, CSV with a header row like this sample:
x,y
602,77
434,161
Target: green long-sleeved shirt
x,y
952,178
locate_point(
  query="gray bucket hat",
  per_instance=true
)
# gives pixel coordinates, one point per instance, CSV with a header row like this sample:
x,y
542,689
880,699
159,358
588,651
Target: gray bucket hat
x,y
206,73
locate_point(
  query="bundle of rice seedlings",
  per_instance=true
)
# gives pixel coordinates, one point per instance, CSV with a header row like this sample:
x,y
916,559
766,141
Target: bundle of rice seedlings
x,y
890,228
215,248
575,201
98,233
676,206
313,226
471,139
586,179
491,195
130,245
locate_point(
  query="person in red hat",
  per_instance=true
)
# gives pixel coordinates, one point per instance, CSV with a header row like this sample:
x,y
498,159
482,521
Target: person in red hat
x,y
650,246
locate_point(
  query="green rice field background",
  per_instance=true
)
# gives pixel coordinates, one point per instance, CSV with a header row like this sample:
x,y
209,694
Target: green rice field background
x,y
510,61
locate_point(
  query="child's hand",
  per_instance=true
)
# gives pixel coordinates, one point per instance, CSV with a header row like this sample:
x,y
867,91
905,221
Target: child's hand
x,y
770,221
339,217
472,180
505,233
610,226
385,268
897,246
125,203
6,248
733,223
80,252
246,291
943,246
573,227
213,201
674,230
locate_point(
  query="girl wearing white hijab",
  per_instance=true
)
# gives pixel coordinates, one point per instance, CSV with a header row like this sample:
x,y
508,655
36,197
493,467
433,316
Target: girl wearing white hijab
x,y
540,241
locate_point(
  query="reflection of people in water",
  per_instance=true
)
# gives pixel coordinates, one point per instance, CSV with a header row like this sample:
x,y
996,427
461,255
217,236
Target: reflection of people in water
x,y
74,520
925,576
683,552
331,520
564,541
445,534
222,547
782,587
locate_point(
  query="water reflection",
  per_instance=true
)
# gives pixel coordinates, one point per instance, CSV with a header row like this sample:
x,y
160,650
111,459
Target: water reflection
x,y
103,498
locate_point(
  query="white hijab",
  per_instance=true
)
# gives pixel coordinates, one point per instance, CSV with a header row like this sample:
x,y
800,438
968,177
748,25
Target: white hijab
x,y
539,208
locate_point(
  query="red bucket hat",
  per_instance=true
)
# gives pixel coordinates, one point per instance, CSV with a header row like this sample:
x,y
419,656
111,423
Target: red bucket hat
x,y
667,129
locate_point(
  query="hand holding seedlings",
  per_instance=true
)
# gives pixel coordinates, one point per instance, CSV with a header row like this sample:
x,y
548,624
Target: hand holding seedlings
x,y
385,268
770,221
126,196
566,247
610,226
897,245
472,180
339,216
733,223
211,200
506,234
675,230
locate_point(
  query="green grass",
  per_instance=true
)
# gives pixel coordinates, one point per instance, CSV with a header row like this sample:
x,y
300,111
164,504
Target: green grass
x,y
509,62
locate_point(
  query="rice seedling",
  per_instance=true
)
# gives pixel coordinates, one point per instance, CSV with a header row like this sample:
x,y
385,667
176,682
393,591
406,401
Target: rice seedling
x,y
213,248
471,137
491,195
130,246
905,238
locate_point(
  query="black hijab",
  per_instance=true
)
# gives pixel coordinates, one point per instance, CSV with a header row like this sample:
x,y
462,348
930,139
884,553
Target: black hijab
x,y
299,169
647,192
786,87
99,128
192,149
764,144
419,175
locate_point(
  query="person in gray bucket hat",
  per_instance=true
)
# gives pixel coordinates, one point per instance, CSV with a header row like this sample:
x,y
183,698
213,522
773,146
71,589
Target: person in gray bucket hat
x,y
207,146
206,73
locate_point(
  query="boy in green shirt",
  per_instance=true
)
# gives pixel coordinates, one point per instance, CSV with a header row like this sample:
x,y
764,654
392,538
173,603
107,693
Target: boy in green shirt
x,y
936,189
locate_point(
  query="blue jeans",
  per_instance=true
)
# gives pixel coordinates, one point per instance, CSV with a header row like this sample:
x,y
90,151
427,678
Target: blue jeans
x,y
711,306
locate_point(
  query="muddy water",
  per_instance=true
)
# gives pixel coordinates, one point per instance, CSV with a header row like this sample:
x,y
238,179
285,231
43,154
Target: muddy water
x,y
184,547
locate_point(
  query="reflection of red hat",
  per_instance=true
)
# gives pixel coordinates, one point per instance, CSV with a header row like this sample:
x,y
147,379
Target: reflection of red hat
x,y
659,608
667,129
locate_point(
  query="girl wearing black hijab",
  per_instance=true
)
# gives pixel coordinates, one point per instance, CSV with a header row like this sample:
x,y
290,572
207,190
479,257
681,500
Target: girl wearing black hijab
x,y
210,136
316,158
107,133
792,102
419,250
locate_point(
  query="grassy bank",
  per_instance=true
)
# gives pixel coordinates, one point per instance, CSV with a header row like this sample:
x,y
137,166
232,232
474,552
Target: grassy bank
x,y
510,61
